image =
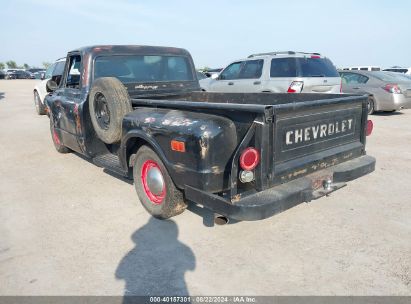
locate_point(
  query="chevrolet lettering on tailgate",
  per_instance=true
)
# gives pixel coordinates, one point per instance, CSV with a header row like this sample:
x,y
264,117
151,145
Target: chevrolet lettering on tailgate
x,y
307,134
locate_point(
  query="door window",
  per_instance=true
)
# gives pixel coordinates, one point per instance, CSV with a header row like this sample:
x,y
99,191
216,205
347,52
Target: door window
x,y
283,67
49,71
58,71
352,78
252,69
73,75
231,72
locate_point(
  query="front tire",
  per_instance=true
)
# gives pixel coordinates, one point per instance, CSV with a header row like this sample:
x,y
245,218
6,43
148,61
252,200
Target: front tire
x,y
154,186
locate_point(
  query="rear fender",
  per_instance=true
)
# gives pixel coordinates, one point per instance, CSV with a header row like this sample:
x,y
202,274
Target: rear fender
x,y
209,140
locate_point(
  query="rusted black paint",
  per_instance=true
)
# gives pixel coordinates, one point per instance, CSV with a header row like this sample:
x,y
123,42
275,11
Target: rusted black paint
x,y
215,128
210,141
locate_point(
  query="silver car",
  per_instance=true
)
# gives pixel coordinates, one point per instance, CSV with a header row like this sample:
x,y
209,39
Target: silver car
x,y
387,91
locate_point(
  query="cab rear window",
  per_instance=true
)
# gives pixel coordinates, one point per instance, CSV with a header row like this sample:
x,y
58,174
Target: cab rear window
x,y
143,68
302,67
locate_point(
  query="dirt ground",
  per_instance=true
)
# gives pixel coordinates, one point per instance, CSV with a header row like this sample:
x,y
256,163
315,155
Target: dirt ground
x,y
69,228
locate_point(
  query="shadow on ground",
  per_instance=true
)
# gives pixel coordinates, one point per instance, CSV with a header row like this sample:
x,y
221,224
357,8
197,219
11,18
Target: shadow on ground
x,y
157,263
392,113
1,95
206,214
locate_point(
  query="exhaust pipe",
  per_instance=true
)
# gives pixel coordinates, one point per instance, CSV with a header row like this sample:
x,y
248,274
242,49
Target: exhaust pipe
x,y
220,219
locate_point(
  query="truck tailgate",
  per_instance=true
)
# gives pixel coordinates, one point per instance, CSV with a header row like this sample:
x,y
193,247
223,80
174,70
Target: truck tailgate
x,y
314,138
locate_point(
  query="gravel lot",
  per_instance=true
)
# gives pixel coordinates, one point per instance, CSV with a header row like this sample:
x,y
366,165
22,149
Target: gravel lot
x,y
69,228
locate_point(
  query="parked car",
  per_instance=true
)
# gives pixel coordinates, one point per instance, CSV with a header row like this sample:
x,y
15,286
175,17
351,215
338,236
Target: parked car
x,y
39,74
213,73
34,70
17,74
278,72
200,75
54,72
30,75
133,111
362,68
2,74
387,91
406,71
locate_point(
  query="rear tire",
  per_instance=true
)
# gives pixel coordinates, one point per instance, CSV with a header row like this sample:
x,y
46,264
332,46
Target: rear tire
x,y
108,103
154,186
40,108
56,140
371,105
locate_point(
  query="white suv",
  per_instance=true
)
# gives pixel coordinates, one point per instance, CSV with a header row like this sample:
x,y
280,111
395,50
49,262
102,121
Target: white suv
x,y
54,71
277,72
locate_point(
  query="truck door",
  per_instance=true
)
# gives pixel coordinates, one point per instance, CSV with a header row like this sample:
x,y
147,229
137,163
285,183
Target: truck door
x,y
66,102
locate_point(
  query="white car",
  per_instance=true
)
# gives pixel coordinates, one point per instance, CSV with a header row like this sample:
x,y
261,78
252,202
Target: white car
x,y
54,71
277,72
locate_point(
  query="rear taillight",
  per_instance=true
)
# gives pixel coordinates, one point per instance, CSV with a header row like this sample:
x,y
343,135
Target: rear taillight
x,y
370,127
392,88
315,57
295,87
249,159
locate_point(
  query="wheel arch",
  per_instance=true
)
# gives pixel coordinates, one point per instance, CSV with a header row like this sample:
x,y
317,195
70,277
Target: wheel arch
x,y
36,90
371,95
132,142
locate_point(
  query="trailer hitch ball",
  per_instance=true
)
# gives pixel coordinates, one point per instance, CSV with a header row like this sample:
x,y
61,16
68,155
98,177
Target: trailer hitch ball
x,y
327,184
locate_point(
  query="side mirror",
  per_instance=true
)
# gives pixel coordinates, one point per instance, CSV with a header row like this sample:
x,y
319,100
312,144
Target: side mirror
x,y
215,76
51,86
42,75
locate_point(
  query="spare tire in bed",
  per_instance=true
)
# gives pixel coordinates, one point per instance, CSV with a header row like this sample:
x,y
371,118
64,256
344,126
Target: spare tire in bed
x,y
108,103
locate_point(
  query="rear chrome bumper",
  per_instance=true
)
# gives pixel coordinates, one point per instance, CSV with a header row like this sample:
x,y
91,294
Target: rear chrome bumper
x,y
279,198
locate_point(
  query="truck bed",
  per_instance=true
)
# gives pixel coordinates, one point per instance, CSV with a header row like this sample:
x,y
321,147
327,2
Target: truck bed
x,y
298,134
254,102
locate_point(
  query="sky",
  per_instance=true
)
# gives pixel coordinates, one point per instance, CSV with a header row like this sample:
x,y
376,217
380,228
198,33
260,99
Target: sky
x,y
349,32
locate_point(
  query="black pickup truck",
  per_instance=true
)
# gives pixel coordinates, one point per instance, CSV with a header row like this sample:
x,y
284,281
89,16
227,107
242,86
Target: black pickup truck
x,y
138,111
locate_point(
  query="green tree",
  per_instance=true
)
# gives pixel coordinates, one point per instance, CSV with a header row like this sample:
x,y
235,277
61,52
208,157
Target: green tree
x,y
46,64
11,64
26,66
2,66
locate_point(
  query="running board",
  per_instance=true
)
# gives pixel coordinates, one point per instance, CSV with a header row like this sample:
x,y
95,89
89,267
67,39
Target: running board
x,y
110,162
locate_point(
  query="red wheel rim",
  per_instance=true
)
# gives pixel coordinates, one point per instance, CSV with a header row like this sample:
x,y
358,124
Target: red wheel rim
x,y
155,198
